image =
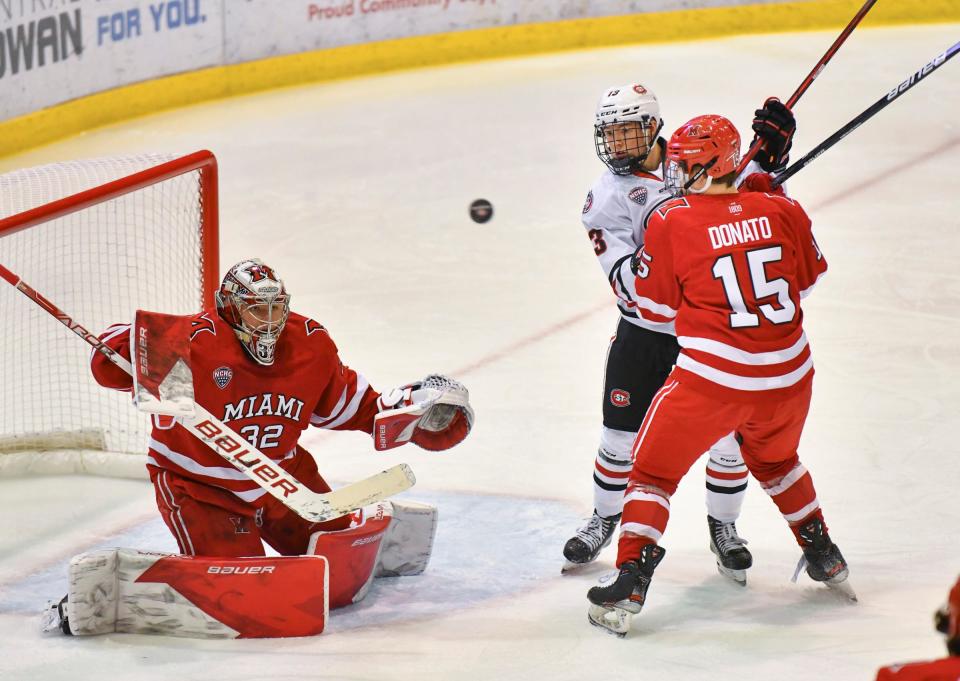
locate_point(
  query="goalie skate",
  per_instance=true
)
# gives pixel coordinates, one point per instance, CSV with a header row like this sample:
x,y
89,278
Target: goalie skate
x,y
733,558
584,547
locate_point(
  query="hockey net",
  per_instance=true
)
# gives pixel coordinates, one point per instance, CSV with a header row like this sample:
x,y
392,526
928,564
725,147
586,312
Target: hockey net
x,y
99,238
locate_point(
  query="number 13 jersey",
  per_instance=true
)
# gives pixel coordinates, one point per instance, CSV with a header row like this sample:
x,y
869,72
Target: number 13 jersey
x,y
730,271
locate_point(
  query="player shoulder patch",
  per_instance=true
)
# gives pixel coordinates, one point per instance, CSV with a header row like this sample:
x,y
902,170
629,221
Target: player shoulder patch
x,y
638,195
588,204
222,376
201,323
781,197
670,205
312,327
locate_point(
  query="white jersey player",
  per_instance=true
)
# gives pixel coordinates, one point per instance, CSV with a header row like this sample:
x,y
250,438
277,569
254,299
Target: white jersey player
x,y
642,353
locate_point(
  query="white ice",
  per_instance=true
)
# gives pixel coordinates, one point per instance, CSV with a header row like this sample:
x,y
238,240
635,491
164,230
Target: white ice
x,y
357,192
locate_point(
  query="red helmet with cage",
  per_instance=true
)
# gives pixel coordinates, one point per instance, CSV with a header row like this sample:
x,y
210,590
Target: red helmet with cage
x,y
253,300
703,145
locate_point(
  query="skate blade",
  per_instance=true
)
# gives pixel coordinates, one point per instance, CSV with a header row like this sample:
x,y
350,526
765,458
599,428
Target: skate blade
x,y
739,577
612,620
843,588
570,566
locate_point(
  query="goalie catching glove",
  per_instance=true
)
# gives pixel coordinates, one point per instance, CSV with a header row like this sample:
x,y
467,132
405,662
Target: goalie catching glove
x,y
434,414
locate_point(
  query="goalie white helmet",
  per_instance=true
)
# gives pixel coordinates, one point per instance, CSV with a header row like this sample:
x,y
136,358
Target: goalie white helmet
x,y
626,126
254,302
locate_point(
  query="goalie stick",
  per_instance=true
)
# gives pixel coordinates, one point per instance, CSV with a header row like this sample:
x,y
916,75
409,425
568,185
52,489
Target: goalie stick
x,y
869,113
812,76
246,458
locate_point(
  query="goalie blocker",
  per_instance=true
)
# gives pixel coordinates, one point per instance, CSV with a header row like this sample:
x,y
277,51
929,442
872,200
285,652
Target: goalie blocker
x,y
129,591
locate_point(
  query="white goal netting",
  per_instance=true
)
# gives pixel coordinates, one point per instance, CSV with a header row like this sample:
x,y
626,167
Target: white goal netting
x,y
141,250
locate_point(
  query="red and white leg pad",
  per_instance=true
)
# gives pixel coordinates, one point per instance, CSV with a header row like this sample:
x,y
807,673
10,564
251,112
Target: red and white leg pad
x,y
127,591
388,539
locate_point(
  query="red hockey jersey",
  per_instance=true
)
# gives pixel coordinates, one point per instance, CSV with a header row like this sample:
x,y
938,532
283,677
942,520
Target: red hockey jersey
x,y
269,406
730,270
945,669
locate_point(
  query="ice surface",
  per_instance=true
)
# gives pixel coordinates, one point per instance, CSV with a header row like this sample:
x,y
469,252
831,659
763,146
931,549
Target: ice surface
x,y
357,192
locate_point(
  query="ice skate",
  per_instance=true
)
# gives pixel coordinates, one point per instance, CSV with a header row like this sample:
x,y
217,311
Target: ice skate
x,y
823,560
584,547
733,558
613,604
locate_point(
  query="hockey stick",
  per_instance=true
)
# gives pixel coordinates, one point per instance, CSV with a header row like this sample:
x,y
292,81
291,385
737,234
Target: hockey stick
x,y
812,76
914,78
219,437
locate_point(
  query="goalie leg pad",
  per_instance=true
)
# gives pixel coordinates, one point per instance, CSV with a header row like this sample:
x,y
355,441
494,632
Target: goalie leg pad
x,y
352,553
389,539
408,543
127,591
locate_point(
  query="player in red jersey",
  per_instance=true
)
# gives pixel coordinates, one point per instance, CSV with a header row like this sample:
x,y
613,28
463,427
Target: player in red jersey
x,y
283,375
729,268
947,621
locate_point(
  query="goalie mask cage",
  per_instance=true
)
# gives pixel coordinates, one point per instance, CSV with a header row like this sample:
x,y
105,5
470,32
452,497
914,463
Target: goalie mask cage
x,y
100,238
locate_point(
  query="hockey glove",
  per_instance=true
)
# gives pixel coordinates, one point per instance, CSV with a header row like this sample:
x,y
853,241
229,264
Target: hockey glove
x,y
760,182
434,414
941,620
775,125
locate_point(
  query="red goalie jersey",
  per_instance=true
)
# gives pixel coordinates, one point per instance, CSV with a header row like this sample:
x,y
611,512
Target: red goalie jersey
x,y
731,270
270,406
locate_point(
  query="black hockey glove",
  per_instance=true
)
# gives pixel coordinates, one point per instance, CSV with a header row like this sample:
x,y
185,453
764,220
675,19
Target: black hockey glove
x,y
640,263
941,620
775,125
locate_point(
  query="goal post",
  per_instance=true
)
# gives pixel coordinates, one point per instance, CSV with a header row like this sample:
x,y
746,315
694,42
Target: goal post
x,y
101,238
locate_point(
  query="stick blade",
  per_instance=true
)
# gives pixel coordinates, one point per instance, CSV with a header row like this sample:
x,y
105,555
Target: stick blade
x,y
349,498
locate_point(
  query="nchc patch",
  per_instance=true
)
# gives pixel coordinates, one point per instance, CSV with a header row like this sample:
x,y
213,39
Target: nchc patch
x,y
588,204
222,376
638,195
619,398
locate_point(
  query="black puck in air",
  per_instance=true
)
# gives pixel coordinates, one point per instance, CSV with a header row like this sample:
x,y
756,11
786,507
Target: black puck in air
x,y
481,210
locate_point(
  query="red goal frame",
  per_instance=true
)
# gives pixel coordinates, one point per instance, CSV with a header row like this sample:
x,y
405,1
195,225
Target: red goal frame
x,y
203,161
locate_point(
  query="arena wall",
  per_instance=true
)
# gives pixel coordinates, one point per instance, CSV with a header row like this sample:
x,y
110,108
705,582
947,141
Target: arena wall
x,y
71,65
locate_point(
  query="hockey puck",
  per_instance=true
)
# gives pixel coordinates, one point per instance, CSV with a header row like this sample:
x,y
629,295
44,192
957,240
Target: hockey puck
x,y
481,211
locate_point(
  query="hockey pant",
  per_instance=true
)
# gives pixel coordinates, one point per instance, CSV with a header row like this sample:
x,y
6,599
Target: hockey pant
x,y
210,521
638,362
680,423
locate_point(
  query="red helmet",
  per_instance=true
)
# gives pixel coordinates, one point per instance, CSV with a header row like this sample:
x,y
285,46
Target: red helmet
x,y
710,141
